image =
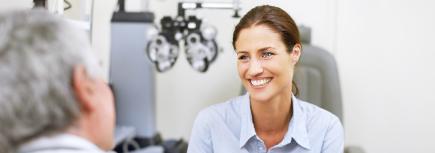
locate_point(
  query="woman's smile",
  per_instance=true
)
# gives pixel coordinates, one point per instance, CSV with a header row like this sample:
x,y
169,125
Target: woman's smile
x,y
260,82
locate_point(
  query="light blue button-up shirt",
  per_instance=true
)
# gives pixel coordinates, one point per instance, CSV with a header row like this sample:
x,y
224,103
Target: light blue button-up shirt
x,y
228,128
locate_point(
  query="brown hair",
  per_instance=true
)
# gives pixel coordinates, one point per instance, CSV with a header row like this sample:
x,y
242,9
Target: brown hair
x,y
276,19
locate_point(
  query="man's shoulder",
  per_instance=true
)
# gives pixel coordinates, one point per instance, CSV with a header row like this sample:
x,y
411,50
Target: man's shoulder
x,y
54,150
59,143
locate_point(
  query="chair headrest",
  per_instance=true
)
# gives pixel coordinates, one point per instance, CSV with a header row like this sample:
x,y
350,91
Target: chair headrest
x,y
305,34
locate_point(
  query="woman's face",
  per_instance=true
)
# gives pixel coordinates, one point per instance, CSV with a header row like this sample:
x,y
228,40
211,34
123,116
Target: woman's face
x,y
264,64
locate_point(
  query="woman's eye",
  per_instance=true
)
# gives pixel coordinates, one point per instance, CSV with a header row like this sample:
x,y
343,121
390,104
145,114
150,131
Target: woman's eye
x,y
243,58
267,54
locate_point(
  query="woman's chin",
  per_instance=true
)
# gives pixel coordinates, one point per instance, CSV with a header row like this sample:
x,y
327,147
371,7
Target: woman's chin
x,y
260,97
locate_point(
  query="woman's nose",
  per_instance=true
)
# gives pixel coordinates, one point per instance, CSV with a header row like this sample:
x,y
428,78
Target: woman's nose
x,y
255,68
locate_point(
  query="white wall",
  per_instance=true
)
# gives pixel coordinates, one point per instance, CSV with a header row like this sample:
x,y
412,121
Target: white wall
x,y
103,10
7,5
385,55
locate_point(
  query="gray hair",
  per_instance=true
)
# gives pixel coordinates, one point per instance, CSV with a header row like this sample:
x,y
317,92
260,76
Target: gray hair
x,y
38,51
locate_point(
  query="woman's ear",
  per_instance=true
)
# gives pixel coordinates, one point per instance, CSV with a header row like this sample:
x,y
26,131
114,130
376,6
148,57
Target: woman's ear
x,y
296,53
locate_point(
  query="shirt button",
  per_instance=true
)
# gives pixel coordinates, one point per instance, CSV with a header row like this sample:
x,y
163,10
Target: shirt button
x,y
261,149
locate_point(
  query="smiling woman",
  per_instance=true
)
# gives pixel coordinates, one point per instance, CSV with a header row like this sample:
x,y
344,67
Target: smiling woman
x,y
269,118
265,66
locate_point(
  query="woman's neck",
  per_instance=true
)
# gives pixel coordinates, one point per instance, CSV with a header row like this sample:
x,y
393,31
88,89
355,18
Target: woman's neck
x,y
271,118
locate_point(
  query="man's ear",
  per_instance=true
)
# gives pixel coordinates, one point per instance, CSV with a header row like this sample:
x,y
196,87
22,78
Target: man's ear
x,y
296,53
83,88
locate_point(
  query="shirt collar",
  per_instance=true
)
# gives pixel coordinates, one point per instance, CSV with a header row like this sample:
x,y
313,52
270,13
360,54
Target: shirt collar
x,y
247,130
60,141
297,126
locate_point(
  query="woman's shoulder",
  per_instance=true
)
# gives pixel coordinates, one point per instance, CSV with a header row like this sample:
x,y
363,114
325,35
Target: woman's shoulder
x,y
231,106
223,112
315,113
322,127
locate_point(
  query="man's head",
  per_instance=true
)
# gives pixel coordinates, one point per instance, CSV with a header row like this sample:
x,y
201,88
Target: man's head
x,y
50,82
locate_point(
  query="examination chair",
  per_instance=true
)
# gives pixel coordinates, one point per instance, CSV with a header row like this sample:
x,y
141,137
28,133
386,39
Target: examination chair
x,y
317,79
316,76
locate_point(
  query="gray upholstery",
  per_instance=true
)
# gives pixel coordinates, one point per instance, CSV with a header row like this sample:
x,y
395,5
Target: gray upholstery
x,y
316,77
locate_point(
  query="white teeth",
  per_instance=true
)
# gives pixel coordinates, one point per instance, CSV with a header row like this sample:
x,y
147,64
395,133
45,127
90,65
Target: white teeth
x,y
260,82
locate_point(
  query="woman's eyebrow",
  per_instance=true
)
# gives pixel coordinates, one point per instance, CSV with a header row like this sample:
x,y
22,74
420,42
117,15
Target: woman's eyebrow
x,y
265,48
242,51
261,49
